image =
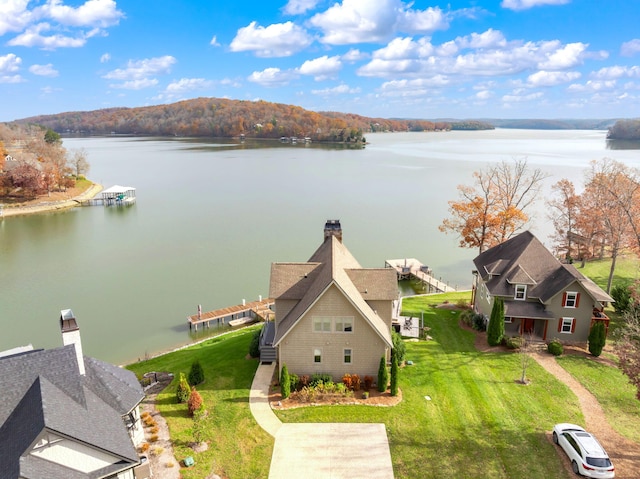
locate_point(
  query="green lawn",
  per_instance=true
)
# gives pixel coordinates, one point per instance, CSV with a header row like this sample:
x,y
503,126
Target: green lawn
x,y
627,270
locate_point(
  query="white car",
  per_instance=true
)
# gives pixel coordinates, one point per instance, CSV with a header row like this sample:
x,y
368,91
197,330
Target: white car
x,y
586,454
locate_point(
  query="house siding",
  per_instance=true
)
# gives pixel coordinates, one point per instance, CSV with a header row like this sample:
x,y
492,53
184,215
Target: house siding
x,y
582,314
299,344
283,307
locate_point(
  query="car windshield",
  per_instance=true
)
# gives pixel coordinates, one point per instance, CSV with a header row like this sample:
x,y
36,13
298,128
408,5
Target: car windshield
x,y
599,461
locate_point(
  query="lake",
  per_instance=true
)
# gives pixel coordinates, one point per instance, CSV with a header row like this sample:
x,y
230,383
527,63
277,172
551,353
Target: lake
x,y
211,217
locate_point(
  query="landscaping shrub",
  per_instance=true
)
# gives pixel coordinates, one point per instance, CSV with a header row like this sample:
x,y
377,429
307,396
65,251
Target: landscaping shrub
x,y
254,346
305,380
346,380
622,295
462,303
368,382
597,338
183,390
466,317
383,375
320,378
293,381
495,330
196,373
479,323
514,342
195,401
285,382
399,347
394,376
555,347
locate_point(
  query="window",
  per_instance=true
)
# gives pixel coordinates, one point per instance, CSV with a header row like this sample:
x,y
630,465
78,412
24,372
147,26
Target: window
x,y
508,319
344,325
571,299
321,324
317,355
486,292
347,356
521,292
567,325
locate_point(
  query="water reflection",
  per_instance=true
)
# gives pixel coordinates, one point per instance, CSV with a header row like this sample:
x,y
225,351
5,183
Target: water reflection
x,y
623,144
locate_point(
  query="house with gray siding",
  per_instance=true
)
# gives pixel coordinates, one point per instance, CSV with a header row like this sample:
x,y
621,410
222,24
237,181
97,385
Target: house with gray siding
x,y
543,298
69,416
332,316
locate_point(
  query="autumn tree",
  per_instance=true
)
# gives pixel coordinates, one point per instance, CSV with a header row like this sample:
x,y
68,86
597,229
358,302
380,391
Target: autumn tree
x,y
563,212
79,162
493,210
627,346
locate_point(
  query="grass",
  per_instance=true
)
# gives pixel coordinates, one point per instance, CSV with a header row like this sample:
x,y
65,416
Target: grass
x,y
238,448
627,270
612,390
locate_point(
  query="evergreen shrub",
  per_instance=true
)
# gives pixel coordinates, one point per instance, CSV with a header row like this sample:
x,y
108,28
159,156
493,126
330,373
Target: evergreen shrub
x,y
196,373
555,347
597,338
383,375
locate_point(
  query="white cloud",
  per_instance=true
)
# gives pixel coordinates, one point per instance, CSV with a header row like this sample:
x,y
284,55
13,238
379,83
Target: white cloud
x,y
9,66
484,95
517,97
630,48
545,78
564,57
44,70
525,4
358,21
214,41
413,88
188,84
78,23
276,40
354,55
272,77
138,84
592,86
616,71
338,90
105,58
322,68
298,7
141,69
489,39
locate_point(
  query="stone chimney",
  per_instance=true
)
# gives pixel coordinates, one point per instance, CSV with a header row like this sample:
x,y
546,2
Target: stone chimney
x,y
333,228
71,335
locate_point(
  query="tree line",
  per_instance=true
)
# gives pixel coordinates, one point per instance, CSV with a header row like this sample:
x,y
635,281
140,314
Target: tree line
x,y
33,162
223,118
624,130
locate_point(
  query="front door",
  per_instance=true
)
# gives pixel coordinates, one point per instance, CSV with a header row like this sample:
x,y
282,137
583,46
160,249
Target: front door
x,y
527,325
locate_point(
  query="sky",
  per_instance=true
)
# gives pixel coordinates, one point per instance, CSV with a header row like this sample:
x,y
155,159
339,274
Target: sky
x,y
379,58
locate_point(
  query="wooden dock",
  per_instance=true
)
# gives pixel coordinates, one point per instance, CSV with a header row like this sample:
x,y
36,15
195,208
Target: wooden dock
x,y
410,268
254,310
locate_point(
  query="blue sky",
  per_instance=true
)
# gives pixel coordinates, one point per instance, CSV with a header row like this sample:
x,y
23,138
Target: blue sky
x,y
381,58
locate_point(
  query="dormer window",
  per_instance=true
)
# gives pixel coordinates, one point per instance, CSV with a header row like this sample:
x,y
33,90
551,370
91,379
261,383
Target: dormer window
x,y
521,292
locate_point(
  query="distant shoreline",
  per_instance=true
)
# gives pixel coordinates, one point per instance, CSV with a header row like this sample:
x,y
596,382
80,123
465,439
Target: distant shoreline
x,y
45,207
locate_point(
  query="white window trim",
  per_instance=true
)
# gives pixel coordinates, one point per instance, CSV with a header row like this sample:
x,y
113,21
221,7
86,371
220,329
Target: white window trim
x,y
314,355
575,299
562,331
524,292
508,319
324,320
344,354
342,320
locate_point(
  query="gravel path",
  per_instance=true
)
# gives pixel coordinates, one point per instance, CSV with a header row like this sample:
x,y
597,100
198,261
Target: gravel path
x,y
624,454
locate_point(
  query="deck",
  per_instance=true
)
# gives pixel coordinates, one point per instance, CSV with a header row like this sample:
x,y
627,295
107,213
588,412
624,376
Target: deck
x,y
257,310
409,268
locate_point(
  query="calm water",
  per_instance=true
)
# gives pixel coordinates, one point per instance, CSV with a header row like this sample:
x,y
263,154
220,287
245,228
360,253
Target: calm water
x,y
211,218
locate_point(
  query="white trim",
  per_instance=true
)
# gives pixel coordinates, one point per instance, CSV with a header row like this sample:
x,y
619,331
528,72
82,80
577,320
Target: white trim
x,y
562,331
575,299
344,355
314,355
524,292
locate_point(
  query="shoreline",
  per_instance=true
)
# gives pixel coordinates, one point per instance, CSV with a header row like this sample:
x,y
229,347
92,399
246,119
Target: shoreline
x,y
46,207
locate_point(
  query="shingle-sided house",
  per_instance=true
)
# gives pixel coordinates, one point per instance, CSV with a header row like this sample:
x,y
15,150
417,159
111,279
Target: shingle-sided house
x,y
332,315
66,415
542,296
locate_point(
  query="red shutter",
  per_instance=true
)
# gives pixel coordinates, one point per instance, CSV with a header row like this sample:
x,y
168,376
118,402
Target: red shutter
x,y
560,325
564,300
577,299
573,325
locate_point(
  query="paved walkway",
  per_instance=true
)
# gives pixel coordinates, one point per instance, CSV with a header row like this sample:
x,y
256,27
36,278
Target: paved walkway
x,y
319,451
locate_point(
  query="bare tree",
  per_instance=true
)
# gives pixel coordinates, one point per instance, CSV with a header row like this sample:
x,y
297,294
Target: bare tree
x,y
79,162
563,212
525,356
627,346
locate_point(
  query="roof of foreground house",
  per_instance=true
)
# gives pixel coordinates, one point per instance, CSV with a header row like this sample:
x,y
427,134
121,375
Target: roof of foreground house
x,y
523,259
332,264
43,389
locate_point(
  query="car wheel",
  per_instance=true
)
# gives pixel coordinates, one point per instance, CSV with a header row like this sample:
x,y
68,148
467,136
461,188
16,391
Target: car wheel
x,y
574,466
555,438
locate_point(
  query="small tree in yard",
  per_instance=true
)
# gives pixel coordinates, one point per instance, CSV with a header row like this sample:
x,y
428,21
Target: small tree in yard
x,y
383,375
285,382
627,346
394,376
196,374
597,338
525,358
399,347
195,402
495,330
199,425
183,390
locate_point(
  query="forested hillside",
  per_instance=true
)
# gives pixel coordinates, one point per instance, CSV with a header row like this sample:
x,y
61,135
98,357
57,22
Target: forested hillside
x,y
625,130
220,118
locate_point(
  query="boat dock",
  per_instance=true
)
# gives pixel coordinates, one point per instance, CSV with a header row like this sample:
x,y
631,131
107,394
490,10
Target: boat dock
x,y
116,195
411,268
244,313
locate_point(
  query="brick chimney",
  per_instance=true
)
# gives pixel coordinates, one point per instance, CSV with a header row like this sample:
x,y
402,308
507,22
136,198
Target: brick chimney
x,y
71,335
333,228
